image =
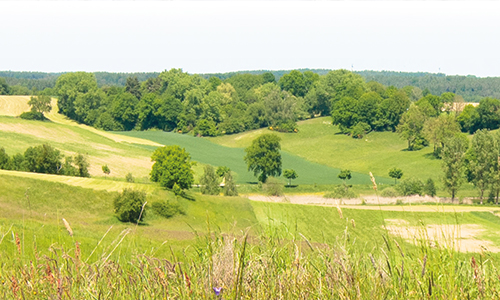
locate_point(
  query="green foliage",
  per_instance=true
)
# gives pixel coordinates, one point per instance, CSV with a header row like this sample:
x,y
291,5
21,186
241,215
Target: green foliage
x,y
290,174
263,156
410,186
389,192
341,192
42,159
172,167
453,156
345,175
128,206
360,130
483,160
396,174
430,188
230,188
32,115
222,170
129,177
177,190
273,187
469,119
106,170
209,181
167,208
438,130
82,165
40,104
411,128
5,160
4,87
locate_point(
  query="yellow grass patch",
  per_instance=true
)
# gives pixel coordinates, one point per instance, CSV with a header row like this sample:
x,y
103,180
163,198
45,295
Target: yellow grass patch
x,y
463,238
91,183
13,105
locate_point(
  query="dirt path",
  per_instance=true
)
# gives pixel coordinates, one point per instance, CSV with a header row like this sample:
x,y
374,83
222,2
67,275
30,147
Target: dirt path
x,y
372,202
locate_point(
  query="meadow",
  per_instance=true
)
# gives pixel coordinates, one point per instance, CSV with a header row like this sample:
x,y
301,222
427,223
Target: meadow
x,y
247,249
252,250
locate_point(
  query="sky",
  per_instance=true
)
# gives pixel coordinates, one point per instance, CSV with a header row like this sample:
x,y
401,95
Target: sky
x,y
451,37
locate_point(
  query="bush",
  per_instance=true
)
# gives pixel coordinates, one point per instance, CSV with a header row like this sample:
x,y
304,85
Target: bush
x,y
430,187
288,126
129,177
341,192
128,206
389,192
411,186
209,181
32,115
167,209
273,187
360,129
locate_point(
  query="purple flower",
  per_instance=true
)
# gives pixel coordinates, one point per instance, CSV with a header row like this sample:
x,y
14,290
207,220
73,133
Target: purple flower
x,y
217,291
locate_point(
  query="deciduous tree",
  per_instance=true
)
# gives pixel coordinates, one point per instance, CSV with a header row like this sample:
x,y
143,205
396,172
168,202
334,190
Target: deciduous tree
x,y
263,156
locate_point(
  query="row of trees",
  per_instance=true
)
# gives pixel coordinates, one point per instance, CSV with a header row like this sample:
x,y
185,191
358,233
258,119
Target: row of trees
x,y
476,162
45,159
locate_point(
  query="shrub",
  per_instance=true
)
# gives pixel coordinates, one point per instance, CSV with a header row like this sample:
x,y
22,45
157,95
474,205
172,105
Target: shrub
x,y
411,186
430,187
128,206
341,192
230,187
129,177
32,115
167,209
287,126
360,129
273,187
209,181
389,192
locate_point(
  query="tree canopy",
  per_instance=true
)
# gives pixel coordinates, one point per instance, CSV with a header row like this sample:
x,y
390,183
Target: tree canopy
x,y
172,166
263,156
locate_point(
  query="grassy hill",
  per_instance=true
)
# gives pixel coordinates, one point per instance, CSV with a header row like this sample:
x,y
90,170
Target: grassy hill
x,y
204,151
320,142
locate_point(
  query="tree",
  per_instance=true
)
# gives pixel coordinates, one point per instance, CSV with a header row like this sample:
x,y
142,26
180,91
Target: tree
x,y
129,177
130,206
209,181
396,174
106,170
82,165
222,170
4,87
290,174
438,130
430,188
453,156
263,157
484,157
5,160
411,126
230,187
345,175
133,86
69,86
42,159
40,104
172,166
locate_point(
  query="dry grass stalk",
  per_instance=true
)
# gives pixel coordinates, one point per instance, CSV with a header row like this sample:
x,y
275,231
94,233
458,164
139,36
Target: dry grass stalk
x,y
68,228
340,212
373,181
18,243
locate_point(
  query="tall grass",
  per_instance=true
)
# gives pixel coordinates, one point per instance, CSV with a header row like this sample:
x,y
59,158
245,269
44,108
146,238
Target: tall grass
x,y
270,264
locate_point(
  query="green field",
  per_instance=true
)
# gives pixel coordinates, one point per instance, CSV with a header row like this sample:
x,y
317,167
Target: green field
x,y
320,142
206,152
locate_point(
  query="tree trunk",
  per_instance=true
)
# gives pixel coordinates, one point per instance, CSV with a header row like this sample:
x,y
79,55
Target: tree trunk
x,y
452,195
481,196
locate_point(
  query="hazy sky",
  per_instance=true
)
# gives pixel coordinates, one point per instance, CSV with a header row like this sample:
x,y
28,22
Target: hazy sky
x,y
200,37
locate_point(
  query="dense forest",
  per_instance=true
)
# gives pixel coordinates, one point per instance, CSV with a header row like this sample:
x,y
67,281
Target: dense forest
x,y
471,88
175,100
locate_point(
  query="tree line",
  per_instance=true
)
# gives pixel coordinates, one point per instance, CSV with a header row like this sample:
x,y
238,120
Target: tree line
x,y
45,159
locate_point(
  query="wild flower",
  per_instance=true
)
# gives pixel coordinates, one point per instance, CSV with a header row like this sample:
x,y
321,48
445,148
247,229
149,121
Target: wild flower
x,y
217,291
